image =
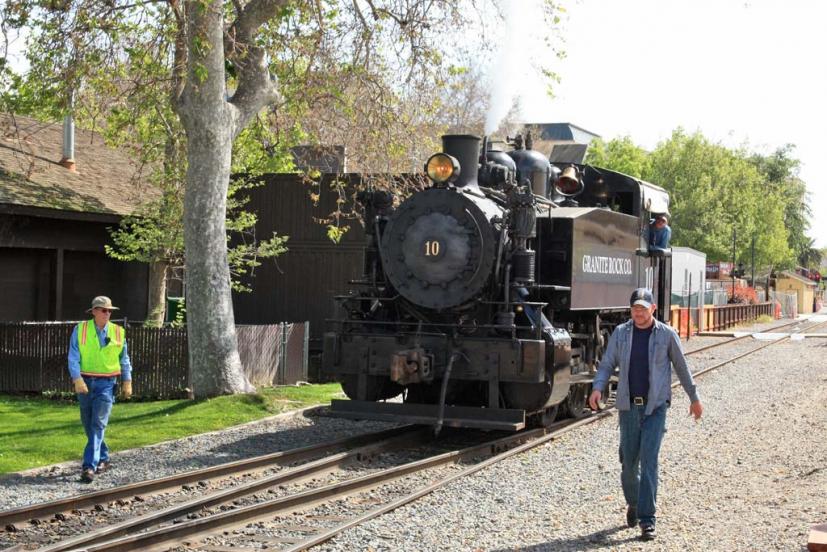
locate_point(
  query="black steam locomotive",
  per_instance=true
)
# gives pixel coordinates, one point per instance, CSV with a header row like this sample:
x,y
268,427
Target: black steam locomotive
x,y
488,298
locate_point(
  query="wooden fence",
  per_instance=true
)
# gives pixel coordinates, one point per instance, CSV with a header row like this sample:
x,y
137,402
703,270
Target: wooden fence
x,y
33,357
686,321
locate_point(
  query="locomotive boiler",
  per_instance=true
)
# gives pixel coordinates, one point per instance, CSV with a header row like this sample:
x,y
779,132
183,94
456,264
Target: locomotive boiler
x,y
488,297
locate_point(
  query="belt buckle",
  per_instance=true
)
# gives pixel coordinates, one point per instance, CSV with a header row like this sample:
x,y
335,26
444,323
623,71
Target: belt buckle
x,y
639,401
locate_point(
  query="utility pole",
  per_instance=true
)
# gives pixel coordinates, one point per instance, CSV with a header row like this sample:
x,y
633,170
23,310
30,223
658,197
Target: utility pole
x,y
732,270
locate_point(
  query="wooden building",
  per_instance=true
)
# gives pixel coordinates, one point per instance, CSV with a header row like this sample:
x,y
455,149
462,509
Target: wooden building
x,y
54,220
53,229
789,282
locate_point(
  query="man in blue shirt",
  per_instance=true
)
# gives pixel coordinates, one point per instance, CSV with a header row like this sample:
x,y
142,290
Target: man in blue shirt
x,y
659,233
645,350
97,356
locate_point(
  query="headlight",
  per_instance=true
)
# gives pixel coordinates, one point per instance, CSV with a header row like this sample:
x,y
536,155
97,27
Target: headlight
x,y
442,168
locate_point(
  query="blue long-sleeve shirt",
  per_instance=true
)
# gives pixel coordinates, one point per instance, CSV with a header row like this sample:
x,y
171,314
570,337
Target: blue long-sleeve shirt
x,y
659,237
74,354
665,352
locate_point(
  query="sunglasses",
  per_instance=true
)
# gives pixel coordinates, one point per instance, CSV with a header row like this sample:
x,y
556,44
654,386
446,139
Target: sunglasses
x,y
103,309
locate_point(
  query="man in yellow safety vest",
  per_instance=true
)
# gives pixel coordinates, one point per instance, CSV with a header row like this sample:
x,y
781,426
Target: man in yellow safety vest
x,y
97,356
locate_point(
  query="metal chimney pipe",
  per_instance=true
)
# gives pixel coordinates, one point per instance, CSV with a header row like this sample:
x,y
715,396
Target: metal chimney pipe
x,y
68,159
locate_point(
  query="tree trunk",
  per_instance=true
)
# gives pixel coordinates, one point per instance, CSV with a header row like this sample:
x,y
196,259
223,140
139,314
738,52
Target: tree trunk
x,y
210,123
157,294
213,349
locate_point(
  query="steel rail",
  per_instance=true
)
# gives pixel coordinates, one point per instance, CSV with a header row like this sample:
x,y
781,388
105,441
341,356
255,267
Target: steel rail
x,y
733,359
727,342
291,475
43,509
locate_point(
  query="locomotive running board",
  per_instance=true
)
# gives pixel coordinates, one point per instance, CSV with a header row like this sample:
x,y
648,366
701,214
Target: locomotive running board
x,y
427,414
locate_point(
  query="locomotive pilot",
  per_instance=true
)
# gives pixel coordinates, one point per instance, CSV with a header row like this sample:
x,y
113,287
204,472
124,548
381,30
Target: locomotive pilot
x,y
97,356
645,350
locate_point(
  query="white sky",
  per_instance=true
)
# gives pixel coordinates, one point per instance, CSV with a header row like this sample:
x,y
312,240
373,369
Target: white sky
x,y
737,71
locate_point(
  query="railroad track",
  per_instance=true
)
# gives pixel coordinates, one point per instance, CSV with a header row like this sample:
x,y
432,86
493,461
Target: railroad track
x,y
143,488
193,522
743,337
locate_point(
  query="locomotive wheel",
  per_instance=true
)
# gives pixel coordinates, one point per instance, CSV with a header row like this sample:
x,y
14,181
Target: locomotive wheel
x,y
575,404
544,418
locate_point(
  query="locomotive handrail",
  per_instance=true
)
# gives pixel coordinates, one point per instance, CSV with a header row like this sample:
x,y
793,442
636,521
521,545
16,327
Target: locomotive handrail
x,y
550,286
429,324
365,298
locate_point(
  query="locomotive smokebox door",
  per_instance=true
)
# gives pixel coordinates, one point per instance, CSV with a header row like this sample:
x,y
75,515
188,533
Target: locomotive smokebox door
x,y
439,247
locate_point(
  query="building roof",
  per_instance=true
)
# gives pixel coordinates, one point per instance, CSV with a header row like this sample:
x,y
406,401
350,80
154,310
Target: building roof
x,y
106,181
565,132
793,276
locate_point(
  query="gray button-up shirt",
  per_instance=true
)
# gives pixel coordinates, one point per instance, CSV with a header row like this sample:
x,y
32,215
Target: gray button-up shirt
x,y
665,351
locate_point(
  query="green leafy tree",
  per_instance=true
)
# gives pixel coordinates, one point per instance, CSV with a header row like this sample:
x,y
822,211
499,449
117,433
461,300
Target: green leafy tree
x,y
619,154
780,171
220,66
716,190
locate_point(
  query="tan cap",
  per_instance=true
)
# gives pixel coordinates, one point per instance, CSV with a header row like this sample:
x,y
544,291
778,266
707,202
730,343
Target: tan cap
x,y
101,301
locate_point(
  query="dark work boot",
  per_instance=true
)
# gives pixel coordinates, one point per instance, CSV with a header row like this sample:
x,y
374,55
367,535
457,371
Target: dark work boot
x,y
647,532
631,516
87,475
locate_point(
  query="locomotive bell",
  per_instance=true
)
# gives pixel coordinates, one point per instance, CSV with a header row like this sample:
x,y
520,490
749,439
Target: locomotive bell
x,y
569,183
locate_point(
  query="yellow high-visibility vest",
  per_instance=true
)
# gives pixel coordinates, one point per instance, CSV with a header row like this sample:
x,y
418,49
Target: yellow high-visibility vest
x,y
97,361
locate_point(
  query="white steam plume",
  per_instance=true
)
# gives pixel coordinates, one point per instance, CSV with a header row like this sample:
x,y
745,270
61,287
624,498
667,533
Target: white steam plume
x,y
513,68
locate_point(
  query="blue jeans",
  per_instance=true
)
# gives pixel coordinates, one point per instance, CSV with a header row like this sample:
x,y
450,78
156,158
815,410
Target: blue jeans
x,y
640,439
95,407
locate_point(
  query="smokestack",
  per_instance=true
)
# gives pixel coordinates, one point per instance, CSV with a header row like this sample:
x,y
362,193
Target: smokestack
x,y
68,159
465,149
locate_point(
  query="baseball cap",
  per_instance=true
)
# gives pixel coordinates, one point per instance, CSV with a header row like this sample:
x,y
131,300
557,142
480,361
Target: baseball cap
x,y
641,296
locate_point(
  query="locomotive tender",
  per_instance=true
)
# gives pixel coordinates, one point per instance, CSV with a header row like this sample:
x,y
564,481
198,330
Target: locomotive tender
x,y
487,299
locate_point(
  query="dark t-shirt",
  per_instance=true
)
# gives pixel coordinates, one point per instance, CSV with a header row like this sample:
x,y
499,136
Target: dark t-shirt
x,y
639,362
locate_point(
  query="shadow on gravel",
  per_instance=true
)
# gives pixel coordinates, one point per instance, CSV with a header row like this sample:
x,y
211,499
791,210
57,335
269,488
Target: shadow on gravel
x,y
599,539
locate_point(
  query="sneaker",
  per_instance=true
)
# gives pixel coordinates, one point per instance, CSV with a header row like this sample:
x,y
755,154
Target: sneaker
x,y
647,532
103,465
87,475
631,516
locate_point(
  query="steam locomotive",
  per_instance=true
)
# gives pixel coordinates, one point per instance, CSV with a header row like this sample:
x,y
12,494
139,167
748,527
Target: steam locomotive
x,y
487,298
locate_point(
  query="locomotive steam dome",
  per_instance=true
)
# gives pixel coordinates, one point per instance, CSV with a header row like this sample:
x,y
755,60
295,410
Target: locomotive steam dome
x,y
438,248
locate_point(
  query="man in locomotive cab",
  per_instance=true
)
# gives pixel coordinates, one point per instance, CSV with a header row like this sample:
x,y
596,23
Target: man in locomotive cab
x,y
645,350
659,233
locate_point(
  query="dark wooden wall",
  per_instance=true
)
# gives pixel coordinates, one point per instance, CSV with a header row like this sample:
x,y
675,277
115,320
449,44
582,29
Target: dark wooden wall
x,y
52,264
299,285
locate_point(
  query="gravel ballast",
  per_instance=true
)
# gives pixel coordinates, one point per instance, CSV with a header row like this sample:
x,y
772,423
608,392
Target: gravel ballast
x,y
752,475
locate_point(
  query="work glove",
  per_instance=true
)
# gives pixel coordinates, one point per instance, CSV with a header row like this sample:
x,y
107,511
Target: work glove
x,y
126,389
80,386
